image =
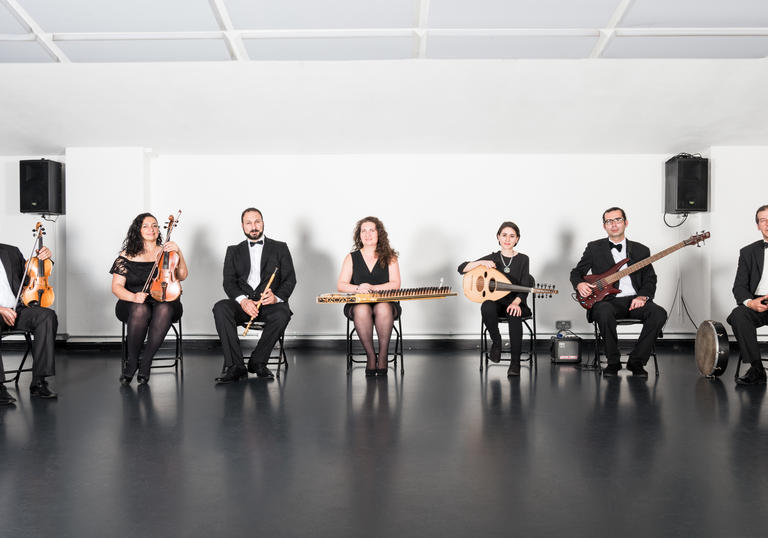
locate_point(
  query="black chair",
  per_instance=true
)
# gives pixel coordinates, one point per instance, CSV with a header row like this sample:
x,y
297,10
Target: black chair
x,y
20,369
397,327
738,363
177,360
280,359
620,322
530,324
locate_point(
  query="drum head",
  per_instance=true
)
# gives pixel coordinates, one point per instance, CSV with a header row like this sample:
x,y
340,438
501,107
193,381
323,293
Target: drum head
x,y
708,346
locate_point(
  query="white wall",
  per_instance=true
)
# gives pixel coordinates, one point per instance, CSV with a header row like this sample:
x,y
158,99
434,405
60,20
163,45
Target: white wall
x,y
439,210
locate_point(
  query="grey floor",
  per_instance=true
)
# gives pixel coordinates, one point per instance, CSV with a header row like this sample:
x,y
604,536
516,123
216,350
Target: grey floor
x,y
440,451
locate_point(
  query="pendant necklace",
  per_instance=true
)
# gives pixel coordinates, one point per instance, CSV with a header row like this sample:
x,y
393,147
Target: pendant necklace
x,y
506,265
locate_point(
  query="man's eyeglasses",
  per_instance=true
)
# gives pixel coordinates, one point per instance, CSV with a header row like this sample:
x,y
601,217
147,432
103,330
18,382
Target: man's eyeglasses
x,y
617,220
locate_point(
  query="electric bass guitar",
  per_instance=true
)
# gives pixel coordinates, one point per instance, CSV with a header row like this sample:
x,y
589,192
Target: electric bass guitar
x,y
605,283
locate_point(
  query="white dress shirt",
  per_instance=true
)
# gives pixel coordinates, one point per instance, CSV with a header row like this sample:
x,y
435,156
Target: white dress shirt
x,y
7,296
625,284
254,277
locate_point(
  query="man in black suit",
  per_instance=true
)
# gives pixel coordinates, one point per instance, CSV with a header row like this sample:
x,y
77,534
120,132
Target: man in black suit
x,y
42,322
635,299
750,288
248,267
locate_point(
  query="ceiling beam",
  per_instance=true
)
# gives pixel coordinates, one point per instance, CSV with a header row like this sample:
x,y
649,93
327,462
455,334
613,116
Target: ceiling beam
x,y
606,34
31,25
232,37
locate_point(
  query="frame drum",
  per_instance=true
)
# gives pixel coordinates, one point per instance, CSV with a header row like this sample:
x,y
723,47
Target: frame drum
x,y
712,349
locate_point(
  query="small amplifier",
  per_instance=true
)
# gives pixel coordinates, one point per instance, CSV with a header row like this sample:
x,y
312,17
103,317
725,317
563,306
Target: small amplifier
x,y
566,349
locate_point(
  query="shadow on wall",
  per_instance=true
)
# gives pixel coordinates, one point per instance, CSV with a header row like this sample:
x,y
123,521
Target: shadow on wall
x,y
438,316
557,271
204,286
316,273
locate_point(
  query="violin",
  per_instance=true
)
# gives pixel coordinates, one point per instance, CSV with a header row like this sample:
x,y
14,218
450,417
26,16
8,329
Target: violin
x,y
165,287
38,292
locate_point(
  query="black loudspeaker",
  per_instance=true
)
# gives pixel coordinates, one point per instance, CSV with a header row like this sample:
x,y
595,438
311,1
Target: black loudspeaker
x,y
41,187
687,186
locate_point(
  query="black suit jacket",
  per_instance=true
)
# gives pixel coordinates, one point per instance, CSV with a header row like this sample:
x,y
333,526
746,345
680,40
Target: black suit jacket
x,y
237,267
749,271
597,257
13,261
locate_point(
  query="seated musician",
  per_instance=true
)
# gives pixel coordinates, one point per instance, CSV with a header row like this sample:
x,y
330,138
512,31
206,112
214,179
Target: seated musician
x,y
512,306
750,288
635,299
42,322
248,267
371,266
144,317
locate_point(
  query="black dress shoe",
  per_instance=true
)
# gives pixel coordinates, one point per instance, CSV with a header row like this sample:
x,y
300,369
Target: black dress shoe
x,y
41,390
263,371
612,370
754,376
5,396
125,380
514,369
234,373
637,369
253,366
495,354
142,380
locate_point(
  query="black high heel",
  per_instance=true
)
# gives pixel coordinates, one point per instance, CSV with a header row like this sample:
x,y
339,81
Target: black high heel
x,y
382,371
370,372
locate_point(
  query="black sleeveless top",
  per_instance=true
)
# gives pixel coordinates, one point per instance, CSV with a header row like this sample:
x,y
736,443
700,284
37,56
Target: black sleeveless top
x,y
135,273
361,274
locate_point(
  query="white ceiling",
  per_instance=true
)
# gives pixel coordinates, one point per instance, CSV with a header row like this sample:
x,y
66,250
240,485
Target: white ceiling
x,y
241,30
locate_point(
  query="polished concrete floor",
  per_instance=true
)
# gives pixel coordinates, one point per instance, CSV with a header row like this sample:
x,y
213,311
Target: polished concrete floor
x,y
440,451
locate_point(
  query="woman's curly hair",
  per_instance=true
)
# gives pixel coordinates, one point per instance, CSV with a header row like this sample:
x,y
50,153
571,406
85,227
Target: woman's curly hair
x,y
384,252
133,244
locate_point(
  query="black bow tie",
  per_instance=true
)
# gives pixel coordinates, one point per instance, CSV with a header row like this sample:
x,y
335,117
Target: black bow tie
x,y
765,244
259,242
617,247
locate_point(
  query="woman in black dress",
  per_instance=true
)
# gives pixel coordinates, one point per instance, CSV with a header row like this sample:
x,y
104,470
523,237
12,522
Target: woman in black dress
x,y
514,265
144,317
371,266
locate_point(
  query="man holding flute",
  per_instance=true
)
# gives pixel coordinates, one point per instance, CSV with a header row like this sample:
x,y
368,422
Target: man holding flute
x,y
253,295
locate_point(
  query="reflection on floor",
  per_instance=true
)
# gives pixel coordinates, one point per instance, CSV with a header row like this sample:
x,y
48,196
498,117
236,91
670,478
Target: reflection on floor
x,y
440,451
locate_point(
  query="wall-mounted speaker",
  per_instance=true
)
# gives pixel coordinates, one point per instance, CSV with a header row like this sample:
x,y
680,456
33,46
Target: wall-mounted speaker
x,y
41,187
687,184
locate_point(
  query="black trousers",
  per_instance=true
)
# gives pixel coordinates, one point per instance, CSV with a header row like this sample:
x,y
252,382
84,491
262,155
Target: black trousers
x,y
227,314
43,324
491,311
607,311
745,322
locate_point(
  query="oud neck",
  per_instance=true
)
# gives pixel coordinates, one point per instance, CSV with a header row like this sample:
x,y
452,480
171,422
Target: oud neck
x,y
615,277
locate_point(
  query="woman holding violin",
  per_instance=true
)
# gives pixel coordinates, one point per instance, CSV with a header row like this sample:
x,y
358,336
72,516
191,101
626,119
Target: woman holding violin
x,y
147,306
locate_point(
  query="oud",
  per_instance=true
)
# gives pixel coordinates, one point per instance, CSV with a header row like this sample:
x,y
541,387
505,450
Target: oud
x,y
605,283
487,284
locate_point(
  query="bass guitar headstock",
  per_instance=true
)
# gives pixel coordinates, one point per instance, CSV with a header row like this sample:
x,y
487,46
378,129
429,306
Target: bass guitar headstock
x,y
697,239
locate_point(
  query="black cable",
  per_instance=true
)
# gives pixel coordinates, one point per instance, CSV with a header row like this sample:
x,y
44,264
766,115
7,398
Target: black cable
x,y
685,306
685,217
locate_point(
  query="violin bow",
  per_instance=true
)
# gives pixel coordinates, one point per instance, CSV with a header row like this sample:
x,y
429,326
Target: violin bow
x,y
38,231
258,304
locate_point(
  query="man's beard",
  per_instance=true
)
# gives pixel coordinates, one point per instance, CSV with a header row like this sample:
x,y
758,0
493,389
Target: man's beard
x,y
257,234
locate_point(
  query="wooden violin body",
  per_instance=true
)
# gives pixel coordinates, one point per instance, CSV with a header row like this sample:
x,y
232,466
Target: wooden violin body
x,y
165,287
487,284
38,292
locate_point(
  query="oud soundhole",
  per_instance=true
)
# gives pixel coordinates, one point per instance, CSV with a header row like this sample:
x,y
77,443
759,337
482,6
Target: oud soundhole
x,y
479,284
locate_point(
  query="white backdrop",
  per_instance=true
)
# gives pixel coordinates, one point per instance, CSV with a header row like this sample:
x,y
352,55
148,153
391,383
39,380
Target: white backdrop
x,y
439,210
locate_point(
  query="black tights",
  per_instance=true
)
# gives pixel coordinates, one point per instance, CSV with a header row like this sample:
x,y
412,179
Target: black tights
x,y
145,320
365,316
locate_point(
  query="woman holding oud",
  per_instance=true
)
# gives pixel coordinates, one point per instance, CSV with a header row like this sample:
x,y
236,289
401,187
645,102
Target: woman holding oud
x,y
371,266
144,316
514,265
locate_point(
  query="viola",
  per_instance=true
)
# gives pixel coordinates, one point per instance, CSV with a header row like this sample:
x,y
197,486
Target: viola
x,y
165,286
38,292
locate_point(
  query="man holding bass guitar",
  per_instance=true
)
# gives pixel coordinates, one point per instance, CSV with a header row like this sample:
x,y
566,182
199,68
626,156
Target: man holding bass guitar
x,y
750,288
42,322
635,300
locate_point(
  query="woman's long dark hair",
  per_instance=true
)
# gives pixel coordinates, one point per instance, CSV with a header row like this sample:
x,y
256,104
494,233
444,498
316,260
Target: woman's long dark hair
x,y
384,252
133,244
